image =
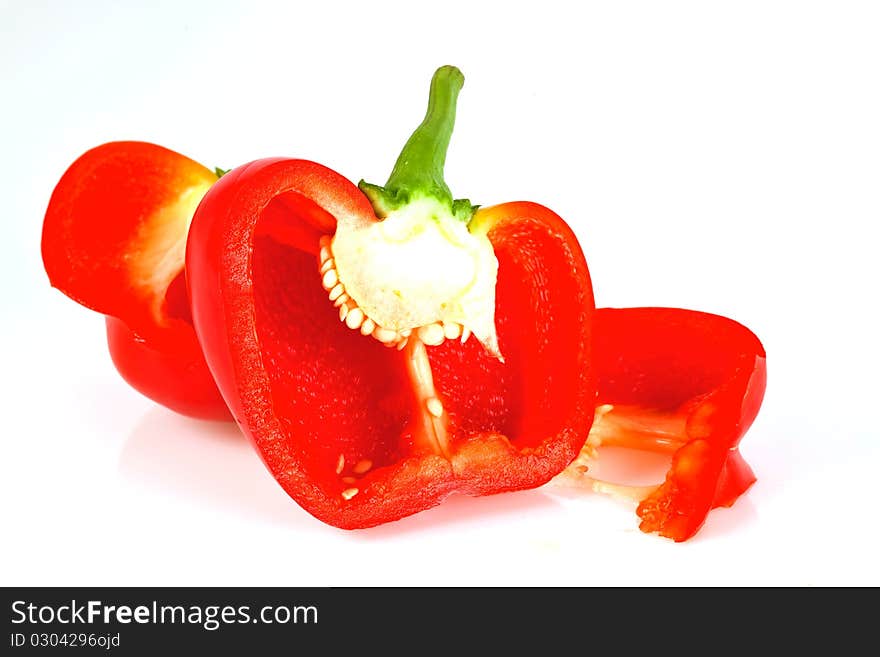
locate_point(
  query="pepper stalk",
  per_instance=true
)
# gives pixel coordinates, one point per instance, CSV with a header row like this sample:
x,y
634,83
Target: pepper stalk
x,y
418,172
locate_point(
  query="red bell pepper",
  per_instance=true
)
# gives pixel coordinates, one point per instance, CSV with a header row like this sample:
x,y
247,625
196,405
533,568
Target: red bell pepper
x,y
680,382
353,332
361,435
113,239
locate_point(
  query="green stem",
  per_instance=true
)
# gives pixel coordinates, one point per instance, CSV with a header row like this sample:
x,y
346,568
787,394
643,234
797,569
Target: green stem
x,y
418,172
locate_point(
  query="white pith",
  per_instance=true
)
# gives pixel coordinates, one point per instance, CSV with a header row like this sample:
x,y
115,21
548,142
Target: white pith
x,y
161,245
576,472
418,271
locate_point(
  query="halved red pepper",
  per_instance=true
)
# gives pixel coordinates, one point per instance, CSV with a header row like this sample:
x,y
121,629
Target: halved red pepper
x,y
113,239
309,297
681,382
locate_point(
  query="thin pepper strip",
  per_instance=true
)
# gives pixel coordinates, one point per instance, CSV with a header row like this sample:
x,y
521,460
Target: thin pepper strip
x,y
679,382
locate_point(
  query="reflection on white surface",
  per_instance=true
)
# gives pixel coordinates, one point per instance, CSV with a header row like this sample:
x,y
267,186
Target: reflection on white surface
x,y
212,465
460,511
208,463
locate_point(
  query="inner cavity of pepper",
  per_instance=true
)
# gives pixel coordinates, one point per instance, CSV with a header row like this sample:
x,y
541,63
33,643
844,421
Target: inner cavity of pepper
x,y
345,401
431,420
352,406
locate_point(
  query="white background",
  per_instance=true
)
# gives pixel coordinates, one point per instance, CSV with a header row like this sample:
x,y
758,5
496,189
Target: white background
x,y
716,156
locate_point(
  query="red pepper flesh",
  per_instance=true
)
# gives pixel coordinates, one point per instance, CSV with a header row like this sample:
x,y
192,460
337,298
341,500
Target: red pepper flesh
x,y
113,239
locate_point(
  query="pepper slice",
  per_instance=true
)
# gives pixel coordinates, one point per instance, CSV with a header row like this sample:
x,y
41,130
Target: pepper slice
x,y
113,239
680,382
362,416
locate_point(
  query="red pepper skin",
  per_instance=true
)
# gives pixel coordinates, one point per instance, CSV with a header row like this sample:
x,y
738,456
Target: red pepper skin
x,y
113,240
307,391
687,382
177,379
